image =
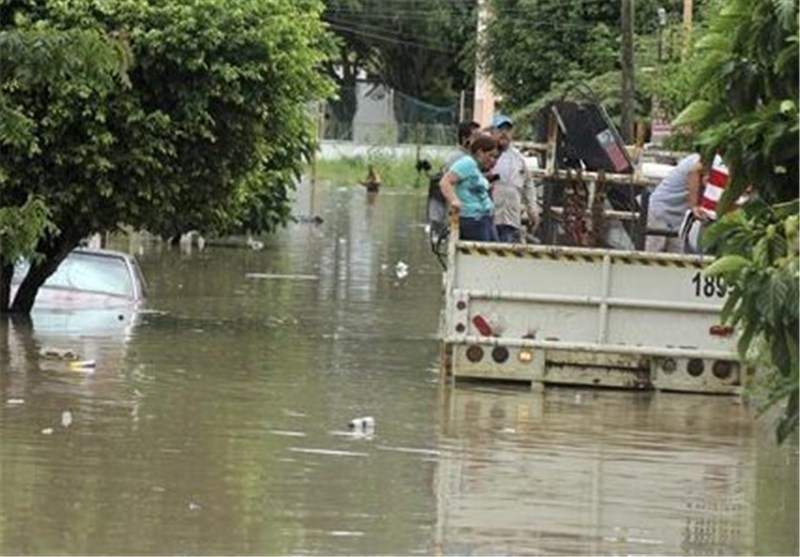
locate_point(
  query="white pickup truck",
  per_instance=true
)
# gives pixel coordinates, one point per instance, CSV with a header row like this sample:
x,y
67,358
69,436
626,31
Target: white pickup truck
x,y
585,316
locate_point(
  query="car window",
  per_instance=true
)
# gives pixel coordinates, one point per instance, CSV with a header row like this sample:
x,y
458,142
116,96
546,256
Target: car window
x,y
89,272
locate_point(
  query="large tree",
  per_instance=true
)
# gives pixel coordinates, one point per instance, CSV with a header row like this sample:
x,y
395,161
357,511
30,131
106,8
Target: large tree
x,y
207,130
533,47
423,49
354,54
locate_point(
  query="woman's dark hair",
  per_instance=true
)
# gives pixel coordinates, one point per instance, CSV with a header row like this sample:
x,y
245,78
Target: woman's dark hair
x,y
483,142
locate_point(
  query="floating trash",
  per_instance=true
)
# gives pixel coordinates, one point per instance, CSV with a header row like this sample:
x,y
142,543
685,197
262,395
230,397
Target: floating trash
x,y
85,366
346,533
15,401
367,422
401,270
47,431
53,353
66,418
255,244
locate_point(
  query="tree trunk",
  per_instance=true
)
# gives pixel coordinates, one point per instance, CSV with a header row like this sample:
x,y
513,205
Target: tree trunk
x,y
6,272
39,273
344,110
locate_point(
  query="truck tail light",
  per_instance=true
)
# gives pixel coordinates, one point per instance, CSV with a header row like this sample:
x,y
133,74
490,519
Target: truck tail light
x,y
482,325
720,331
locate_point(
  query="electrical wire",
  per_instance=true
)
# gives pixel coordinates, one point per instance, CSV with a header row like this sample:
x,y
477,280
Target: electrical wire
x,y
363,24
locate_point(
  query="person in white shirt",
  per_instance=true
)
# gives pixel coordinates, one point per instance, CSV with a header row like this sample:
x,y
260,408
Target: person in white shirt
x,y
678,192
513,190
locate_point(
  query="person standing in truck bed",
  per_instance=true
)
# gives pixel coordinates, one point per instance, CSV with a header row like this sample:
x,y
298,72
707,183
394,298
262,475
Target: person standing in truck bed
x,y
513,192
677,193
466,190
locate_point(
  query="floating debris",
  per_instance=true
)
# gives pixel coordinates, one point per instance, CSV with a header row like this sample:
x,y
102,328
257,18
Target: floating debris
x,y
367,422
66,418
15,401
346,533
53,353
255,244
401,270
83,366
47,431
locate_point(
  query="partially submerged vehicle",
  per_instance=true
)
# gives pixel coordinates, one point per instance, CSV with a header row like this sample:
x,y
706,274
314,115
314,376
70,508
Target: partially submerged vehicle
x,y
93,293
89,278
577,309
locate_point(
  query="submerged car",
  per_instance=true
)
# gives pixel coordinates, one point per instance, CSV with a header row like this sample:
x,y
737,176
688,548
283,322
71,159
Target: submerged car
x,y
93,293
86,311
89,278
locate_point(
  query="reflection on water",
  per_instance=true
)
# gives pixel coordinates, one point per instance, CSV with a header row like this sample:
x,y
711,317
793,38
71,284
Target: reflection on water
x,y
218,423
597,472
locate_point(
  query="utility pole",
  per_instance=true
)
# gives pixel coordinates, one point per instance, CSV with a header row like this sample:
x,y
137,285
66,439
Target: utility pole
x,y
483,103
688,8
628,86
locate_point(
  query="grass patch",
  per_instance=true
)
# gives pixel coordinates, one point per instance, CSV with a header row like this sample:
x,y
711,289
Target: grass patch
x,y
394,172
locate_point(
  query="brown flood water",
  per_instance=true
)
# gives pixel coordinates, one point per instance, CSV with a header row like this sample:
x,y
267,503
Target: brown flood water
x,y
216,422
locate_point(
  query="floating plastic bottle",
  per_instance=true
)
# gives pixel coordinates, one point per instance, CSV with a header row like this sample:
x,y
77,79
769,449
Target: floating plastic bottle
x,y
367,422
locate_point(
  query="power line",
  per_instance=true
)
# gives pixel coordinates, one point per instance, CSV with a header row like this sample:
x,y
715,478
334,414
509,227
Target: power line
x,y
408,13
384,37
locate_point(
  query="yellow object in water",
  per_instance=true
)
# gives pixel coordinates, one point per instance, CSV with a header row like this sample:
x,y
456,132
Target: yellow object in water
x,y
81,365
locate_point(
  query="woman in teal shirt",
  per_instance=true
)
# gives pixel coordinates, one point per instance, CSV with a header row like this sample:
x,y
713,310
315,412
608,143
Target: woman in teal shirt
x,y
467,190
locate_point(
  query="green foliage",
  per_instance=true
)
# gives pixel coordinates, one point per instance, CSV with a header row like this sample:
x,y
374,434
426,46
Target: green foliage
x,y
746,106
519,54
746,96
525,66
21,228
207,132
39,56
758,257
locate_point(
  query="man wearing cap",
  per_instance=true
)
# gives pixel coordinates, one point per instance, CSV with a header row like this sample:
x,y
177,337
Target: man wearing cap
x,y
513,191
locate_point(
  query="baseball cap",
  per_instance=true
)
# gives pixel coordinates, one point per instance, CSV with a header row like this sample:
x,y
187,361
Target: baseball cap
x,y
502,120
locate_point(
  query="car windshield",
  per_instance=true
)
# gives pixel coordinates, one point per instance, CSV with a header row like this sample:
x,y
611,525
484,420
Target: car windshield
x,y
89,272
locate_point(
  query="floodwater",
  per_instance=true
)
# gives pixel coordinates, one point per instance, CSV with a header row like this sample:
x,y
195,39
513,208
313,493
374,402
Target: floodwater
x,y
217,422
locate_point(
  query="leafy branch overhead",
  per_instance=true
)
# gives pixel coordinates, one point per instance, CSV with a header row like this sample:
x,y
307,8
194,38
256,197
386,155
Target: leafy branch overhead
x,y
746,108
166,116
